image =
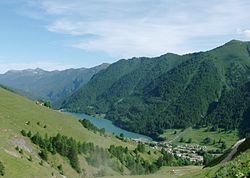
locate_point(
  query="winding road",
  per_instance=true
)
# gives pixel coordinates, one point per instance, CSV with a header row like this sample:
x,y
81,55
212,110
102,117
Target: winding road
x,y
234,150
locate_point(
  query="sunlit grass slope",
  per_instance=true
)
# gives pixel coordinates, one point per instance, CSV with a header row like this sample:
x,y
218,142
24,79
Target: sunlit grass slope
x,y
197,136
15,113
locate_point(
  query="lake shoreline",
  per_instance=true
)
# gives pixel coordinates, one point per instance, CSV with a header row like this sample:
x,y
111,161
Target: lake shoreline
x,y
109,126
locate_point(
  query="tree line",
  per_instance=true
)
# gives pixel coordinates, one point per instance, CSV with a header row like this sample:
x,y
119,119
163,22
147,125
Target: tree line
x,y
116,157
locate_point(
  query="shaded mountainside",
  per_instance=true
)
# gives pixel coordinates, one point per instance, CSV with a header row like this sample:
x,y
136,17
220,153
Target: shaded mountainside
x,y
232,110
54,85
148,95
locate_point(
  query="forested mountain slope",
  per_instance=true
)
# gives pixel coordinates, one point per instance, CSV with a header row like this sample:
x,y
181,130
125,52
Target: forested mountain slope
x,y
148,95
53,86
232,110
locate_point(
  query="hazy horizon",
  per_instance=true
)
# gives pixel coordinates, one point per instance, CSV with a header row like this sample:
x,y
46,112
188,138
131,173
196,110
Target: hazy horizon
x,y
57,35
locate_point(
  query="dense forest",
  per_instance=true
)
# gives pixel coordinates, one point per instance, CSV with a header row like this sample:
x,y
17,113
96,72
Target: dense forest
x,y
148,95
232,111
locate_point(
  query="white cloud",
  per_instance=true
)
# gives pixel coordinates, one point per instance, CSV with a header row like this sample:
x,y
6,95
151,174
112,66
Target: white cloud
x,y
243,33
247,33
146,27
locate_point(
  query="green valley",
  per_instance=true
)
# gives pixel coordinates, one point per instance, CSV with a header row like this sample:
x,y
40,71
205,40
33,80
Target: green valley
x,y
124,89
36,140
195,106
18,113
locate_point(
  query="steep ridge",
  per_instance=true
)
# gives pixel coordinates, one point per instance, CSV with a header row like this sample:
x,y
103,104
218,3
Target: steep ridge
x,y
148,95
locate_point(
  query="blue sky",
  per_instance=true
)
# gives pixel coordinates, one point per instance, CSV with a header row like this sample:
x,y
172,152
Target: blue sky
x,y
60,34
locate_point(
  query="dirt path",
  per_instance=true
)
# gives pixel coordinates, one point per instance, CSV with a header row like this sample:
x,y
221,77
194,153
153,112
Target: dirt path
x,y
178,136
234,150
21,143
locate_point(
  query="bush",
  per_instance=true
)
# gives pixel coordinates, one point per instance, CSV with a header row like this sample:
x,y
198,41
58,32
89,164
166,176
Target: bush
x,y
2,169
47,104
30,158
181,139
60,168
21,151
23,132
207,140
44,154
189,140
29,134
41,162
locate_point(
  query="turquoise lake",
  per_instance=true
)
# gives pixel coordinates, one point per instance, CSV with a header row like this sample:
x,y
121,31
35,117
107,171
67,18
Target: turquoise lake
x,y
109,126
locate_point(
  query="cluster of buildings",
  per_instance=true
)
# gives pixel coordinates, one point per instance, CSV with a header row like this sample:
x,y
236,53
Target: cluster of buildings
x,y
189,152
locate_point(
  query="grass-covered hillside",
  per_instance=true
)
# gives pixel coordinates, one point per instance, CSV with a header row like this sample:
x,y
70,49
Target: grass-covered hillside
x,y
214,140
39,151
239,166
148,95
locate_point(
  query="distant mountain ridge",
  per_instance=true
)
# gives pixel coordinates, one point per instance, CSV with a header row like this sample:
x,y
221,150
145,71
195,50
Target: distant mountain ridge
x,y
34,71
148,95
49,85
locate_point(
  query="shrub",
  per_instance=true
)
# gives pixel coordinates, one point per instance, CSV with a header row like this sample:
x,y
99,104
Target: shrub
x,y
60,168
29,134
23,132
30,158
181,139
21,151
2,169
207,140
189,140
44,154
41,162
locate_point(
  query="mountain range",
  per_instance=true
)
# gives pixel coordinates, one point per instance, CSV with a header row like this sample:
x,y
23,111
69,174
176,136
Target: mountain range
x,y
209,92
148,95
48,85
